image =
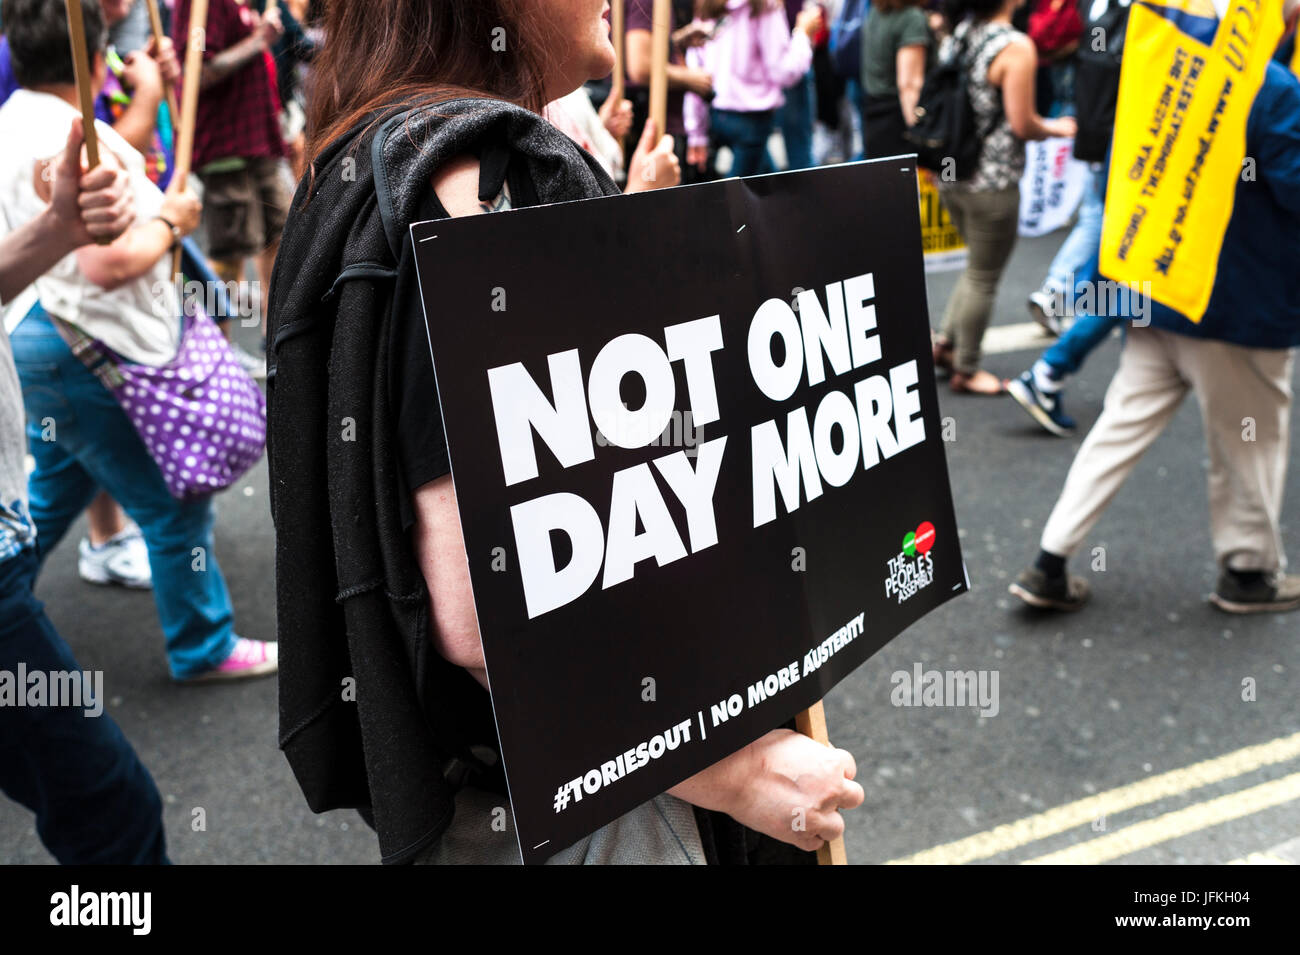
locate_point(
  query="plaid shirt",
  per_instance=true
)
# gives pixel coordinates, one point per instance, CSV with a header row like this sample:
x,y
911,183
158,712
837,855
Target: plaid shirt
x,y
16,530
238,117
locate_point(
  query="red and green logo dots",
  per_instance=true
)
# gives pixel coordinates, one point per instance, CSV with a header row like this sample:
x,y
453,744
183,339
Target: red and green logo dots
x,y
920,540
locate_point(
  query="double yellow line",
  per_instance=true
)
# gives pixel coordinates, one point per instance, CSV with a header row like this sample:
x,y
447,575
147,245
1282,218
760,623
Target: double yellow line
x,y
1140,835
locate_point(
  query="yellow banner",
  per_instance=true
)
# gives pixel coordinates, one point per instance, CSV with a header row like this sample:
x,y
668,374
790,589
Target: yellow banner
x,y
1180,139
944,249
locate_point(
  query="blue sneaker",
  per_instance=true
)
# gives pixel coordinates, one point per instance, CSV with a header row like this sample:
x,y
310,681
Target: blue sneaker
x,y
1045,408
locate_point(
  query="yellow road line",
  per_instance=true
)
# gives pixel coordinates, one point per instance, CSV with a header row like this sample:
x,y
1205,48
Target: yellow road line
x,y
1172,825
1261,858
1053,821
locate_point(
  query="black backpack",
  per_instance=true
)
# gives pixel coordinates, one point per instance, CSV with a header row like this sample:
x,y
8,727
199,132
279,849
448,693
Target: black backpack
x,y
947,129
1096,79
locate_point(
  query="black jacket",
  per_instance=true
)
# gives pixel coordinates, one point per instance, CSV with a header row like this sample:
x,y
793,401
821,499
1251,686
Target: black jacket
x,y
371,717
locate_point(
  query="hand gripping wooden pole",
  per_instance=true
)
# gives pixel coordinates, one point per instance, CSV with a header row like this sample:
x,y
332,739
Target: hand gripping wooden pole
x,y
85,95
155,24
662,23
812,723
196,40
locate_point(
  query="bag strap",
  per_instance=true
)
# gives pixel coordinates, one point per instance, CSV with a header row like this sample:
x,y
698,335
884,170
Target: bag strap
x,y
99,361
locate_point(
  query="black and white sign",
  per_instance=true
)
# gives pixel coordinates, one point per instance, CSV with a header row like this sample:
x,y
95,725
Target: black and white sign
x,y
699,464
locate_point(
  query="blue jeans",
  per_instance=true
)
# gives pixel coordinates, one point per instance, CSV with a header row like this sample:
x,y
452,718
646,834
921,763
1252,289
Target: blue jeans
x,y
1076,260
1068,353
796,121
82,441
95,803
745,134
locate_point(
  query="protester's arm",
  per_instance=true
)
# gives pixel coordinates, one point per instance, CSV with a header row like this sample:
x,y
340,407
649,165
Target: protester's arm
x,y
787,53
1013,69
139,249
144,79
761,785
910,77
83,208
230,61
1277,153
695,111
639,59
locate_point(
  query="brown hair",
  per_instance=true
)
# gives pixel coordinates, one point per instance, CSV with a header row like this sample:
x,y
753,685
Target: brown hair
x,y
714,9
889,6
383,53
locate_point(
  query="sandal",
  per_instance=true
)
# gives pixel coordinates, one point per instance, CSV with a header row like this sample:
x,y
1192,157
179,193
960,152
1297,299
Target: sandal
x,y
980,383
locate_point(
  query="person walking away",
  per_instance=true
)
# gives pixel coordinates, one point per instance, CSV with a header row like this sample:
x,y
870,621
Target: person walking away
x,y
753,56
985,208
896,49
122,295
1238,360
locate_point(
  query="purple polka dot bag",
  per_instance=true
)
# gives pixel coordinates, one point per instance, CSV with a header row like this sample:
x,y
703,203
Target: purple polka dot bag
x,y
201,416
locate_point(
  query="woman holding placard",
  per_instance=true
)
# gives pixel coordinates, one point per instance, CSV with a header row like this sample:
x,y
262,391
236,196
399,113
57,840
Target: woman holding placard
x,y
372,565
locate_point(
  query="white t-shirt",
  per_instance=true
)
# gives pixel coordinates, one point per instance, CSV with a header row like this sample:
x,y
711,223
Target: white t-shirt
x,y
140,320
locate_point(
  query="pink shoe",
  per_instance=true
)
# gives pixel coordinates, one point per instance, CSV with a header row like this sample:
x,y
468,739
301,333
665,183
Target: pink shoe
x,y
250,658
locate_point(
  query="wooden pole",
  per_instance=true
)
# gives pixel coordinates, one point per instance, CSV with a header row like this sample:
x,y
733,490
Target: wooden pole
x,y
663,22
812,723
196,39
155,24
618,33
81,66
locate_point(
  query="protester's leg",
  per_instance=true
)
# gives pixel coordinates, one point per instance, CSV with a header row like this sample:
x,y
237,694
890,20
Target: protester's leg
x,y
1068,353
104,519
102,448
748,141
1076,260
1245,398
229,204
59,489
954,201
95,803
1144,394
273,208
797,122
990,225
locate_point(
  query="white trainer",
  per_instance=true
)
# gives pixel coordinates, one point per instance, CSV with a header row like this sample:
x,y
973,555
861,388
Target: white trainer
x,y
122,559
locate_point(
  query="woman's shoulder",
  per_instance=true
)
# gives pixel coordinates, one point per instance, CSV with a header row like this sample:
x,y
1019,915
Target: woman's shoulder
x,y
456,187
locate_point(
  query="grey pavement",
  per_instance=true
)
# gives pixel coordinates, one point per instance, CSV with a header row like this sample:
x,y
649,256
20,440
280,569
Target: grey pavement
x,y
1146,680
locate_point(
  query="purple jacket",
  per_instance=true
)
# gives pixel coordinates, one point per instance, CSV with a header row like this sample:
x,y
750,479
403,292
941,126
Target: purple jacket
x,y
751,60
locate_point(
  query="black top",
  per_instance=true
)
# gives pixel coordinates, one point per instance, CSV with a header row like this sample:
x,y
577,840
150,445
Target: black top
x,y
413,389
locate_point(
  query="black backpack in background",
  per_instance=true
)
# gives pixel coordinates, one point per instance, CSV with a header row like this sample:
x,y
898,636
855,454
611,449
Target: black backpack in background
x,y
947,129
1096,78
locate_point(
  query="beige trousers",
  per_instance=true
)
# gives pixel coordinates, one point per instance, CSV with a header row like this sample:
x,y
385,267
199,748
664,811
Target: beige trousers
x,y
1245,399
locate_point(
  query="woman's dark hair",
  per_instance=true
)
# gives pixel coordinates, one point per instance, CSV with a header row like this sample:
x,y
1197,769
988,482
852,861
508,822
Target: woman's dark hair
x,y
382,53
39,47
958,10
714,9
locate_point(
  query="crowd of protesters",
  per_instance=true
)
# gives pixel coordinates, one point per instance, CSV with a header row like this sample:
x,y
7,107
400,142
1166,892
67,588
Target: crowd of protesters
x,y
754,86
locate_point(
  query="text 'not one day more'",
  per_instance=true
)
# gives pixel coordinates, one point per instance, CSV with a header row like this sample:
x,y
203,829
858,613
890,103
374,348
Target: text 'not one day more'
x,y
850,430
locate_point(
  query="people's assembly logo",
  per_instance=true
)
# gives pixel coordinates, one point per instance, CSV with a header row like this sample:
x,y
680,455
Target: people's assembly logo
x,y
913,568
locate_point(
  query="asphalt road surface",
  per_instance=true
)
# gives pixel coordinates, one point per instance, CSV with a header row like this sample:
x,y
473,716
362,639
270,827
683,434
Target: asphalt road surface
x,y
1121,732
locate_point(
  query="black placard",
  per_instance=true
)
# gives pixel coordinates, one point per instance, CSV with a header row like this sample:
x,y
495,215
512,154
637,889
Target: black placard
x,y
723,642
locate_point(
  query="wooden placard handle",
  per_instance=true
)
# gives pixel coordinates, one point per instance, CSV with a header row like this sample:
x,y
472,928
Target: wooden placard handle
x,y
155,25
812,723
659,36
618,34
81,66
196,40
